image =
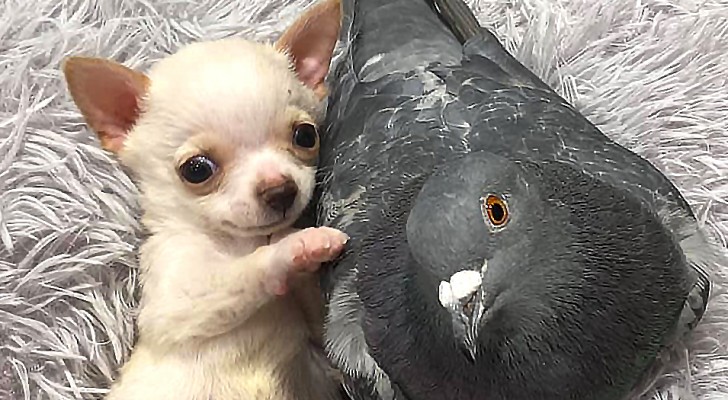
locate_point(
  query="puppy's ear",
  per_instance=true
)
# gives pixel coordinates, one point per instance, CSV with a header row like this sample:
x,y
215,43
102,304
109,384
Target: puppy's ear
x,y
310,42
108,95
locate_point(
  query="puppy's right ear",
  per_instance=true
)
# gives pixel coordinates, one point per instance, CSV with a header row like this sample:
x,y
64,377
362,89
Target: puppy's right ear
x,y
108,95
310,42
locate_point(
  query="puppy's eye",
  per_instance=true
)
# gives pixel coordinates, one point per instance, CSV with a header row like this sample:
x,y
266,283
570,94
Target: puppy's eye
x,y
495,209
305,135
197,169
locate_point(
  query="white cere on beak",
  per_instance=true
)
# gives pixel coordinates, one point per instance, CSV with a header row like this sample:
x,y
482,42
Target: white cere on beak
x,y
461,287
447,299
465,283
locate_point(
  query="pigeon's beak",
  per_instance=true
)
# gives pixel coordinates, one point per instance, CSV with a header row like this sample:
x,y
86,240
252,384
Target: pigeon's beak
x,y
462,296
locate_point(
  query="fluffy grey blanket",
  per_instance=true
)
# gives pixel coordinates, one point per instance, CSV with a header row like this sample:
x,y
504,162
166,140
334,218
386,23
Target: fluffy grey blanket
x,y
651,73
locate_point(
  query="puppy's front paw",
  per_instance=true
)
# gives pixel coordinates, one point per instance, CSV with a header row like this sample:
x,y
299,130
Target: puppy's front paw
x,y
310,247
304,251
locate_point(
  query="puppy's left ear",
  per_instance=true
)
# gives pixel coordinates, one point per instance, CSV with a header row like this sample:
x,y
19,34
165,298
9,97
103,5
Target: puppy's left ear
x,y
310,43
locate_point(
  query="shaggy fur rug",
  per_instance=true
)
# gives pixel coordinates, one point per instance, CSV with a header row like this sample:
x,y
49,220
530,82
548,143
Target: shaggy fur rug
x,y
651,73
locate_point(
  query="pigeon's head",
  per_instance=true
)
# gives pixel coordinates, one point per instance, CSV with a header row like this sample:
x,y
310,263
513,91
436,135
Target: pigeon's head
x,y
476,209
487,227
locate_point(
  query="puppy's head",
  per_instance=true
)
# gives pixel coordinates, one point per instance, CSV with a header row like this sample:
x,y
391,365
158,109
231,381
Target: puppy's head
x,y
221,134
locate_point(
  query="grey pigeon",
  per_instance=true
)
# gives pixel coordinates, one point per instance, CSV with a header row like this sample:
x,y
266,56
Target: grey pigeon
x,y
502,247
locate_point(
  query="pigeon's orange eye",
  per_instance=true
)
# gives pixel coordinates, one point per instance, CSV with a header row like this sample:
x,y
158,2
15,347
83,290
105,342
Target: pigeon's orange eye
x,y
496,210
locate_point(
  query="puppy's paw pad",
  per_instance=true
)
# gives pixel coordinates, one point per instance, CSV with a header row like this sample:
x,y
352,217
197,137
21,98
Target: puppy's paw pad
x,y
316,245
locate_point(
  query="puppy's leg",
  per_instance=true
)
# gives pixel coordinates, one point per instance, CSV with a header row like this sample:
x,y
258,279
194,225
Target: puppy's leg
x,y
192,293
304,251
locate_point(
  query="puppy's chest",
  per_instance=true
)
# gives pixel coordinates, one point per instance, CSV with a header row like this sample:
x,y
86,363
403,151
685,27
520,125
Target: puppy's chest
x,y
273,334
269,357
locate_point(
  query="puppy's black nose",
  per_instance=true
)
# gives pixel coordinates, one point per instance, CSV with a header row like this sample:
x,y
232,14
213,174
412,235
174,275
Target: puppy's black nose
x,y
279,196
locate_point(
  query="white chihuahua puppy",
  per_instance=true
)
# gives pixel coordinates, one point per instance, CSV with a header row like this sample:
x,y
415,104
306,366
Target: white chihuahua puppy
x,y
222,139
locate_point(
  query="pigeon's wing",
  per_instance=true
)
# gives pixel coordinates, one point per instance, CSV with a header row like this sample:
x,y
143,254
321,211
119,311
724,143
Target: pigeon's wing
x,y
479,41
386,36
538,125
389,132
346,341
381,93
458,18
515,111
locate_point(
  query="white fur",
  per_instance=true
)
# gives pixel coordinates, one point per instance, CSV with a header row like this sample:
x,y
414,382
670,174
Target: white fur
x,y
209,329
211,324
241,99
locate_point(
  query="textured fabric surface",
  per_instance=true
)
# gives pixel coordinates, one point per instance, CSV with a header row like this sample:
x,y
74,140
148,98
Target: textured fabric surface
x,y
650,73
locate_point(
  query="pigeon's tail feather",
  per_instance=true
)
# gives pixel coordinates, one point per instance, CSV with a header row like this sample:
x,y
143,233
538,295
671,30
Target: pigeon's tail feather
x,y
391,36
698,297
703,256
458,17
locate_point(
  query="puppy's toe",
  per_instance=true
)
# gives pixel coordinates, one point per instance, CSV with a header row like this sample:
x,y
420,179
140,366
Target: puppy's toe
x,y
313,246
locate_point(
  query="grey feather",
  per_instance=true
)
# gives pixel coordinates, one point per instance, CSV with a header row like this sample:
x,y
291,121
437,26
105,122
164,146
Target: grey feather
x,y
579,299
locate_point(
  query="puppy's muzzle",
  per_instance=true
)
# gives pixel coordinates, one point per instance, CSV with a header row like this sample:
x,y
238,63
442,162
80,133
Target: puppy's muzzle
x,y
278,195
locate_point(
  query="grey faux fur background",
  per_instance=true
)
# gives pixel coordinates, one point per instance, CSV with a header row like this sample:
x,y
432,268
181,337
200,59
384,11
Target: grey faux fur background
x,y
652,74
